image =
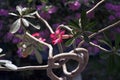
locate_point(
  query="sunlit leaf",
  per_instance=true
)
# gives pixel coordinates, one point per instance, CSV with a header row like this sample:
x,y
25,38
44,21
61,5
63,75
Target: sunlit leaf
x,y
19,9
28,15
11,66
1,50
38,56
13,14
15,26
25,22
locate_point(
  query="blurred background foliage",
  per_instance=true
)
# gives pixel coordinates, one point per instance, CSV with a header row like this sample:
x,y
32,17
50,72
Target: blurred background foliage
x,y
101,66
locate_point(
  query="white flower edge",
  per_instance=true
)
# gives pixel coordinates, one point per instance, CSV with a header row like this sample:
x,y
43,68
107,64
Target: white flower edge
x,y
11,66
1,50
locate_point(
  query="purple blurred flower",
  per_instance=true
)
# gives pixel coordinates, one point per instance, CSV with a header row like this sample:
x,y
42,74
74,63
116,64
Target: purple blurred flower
x,y
117,14
93,50
52,10
19,51
39,7
85,1
111,6
117,29
8,37
77,15
1,25
91,15
111,17
3,12
16,40
74,5
45,15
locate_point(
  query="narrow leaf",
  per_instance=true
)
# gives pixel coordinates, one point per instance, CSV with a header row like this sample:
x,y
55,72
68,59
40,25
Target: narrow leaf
x,y
25,22
38,56
11,66
86,38
19,9
74,24
90,25
15,26
13,14
117,41
69,42
84,19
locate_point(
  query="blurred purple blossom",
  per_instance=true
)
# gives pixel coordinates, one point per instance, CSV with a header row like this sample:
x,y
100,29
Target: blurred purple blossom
x,y
93,50
16,40
86,1
1,25
113,7
3,12
39,7
117,14
19,51
52,10
91,15
8,37
77,15
74,5
45,15
111,17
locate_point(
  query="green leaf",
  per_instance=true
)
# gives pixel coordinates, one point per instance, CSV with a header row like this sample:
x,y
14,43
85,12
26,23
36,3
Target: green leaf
x,y
117,41
38,56
45,1
86,38
25,22
69,42
74,24
84,20
104,55
28,50
15,26
30,1
90,25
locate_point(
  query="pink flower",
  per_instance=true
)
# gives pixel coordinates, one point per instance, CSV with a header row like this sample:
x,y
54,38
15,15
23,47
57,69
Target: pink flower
x,y
57,36
37,35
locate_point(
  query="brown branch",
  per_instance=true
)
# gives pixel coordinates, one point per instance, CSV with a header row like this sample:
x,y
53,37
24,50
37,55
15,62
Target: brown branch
x,y
95,6
29,68
98,32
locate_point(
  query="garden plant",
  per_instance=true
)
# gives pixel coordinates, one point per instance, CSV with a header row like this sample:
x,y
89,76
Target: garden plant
x,y
63,33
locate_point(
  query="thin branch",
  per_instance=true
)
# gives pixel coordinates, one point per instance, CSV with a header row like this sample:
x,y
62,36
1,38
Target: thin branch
x,y
46,23
43,67
98,32
95,6
98,46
